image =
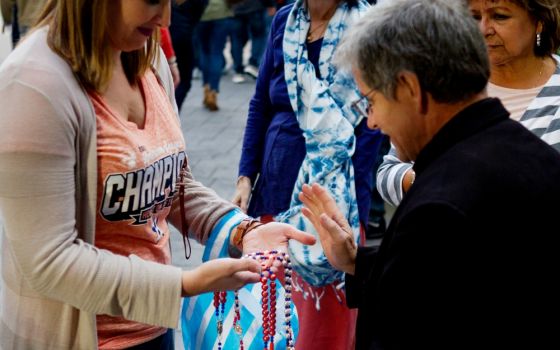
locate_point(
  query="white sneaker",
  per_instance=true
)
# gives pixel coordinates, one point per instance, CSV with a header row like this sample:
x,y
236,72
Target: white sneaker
x,y
252,71
196,74
238,78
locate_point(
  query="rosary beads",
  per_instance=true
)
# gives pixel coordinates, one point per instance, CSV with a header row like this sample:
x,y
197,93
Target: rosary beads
x,y
219,307
268,302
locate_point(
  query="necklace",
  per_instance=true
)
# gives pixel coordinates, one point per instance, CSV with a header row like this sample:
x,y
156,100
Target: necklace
x,y
330,13
543,66
310,33
219,311
268,303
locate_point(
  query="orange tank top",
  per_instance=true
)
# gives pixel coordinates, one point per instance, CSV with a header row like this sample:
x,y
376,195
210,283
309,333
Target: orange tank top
x,y
137,172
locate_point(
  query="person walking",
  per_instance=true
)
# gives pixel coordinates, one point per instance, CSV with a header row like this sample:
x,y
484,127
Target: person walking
x,y
21,15
213,29
455,261
249,22
184,19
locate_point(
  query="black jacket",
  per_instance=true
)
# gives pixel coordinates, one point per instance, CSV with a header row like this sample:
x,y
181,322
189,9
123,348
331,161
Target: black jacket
x,y
248,6
470,256
191,9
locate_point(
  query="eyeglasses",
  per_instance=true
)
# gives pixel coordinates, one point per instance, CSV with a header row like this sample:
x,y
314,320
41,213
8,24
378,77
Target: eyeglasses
x,y
363,106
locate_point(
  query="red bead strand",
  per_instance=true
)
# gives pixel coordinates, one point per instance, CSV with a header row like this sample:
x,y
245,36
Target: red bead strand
x,y
268,293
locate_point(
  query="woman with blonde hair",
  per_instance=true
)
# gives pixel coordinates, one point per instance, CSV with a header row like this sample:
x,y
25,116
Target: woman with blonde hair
x,y
90,158
302,127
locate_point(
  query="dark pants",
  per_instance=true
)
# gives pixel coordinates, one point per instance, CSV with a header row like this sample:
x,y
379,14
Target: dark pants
x,y
184,18
15,26
244,26
212,35
163,342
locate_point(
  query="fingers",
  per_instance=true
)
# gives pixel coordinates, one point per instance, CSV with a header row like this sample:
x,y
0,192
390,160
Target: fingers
x,y
251,265
245,277
243,203
239,265
300,236
323,196
250,271
309,200
333,228
242,194
236,200
341,221
241,200
318,199
311,216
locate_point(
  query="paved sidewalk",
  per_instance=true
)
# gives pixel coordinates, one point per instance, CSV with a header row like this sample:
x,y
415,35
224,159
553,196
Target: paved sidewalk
x,y
213,141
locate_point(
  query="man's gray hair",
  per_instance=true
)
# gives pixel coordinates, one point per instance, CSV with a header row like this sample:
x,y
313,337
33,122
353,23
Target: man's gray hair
x,y
438,40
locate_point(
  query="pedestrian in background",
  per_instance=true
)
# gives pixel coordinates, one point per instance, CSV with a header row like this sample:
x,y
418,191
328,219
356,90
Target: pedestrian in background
x,y
20,15
302,127
184,18
522,37
456,260
213,29
249,22
91,169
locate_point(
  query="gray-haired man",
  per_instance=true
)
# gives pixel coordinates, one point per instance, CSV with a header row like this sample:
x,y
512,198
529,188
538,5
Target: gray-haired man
x,y
457,268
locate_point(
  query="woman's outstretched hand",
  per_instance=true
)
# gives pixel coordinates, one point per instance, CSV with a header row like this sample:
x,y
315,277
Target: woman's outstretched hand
x,y
274,236
333,228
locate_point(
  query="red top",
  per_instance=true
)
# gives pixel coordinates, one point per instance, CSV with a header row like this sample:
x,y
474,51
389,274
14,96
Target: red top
x,y
166,43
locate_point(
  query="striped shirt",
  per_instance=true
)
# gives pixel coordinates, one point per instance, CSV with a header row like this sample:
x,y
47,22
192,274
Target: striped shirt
x,y
542,117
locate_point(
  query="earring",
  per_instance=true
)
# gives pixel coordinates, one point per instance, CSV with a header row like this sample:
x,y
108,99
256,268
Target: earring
x,y
538,39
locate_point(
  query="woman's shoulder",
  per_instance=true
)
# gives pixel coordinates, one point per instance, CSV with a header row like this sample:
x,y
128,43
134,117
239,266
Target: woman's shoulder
x,y
281,17
35,64
39,74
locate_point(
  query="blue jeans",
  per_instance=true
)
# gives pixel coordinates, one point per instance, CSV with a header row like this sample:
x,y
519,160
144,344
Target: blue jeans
x,y
244,26
184,19
213,35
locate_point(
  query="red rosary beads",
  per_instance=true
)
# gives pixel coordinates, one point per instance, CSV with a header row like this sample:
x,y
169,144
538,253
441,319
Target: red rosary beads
x,y
220,305
268,281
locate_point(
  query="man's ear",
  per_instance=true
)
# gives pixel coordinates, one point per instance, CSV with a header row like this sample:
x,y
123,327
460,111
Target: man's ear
x,y
409,88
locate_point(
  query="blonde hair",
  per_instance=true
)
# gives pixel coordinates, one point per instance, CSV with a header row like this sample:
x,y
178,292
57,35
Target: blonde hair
x,y
78,32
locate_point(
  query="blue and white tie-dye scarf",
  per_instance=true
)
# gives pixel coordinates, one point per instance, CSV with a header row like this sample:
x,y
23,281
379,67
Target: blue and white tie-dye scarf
x,y
322,107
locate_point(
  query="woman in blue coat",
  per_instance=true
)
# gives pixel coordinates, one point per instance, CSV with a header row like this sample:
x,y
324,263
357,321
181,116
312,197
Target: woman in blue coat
x,y
303,126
